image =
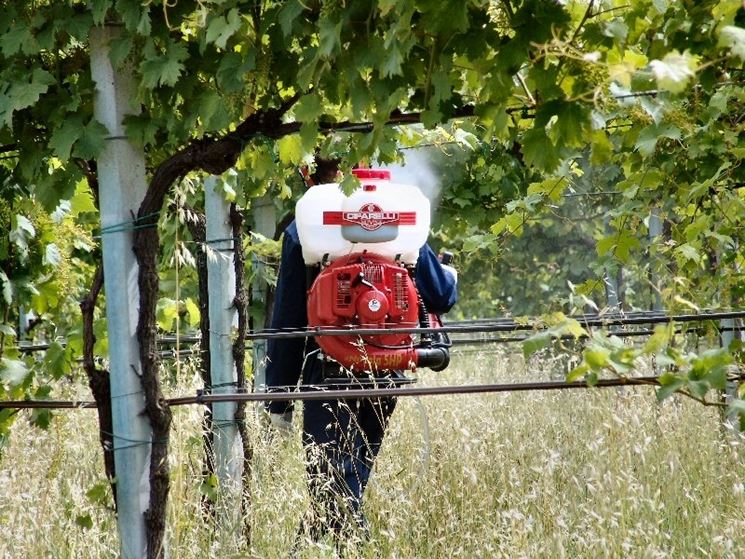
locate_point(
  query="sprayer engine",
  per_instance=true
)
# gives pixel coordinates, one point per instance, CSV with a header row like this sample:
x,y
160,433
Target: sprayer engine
x,y
366,245
366,290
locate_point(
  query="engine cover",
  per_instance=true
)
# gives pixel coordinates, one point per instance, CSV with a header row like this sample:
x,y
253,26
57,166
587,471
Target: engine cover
x,y
365,290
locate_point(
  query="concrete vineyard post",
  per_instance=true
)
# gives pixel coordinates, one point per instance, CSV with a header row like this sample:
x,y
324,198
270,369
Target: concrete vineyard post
x,y
265,222
122,185
223,320
655,231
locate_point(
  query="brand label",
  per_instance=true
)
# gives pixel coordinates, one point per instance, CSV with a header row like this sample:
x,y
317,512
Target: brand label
x,y
370,217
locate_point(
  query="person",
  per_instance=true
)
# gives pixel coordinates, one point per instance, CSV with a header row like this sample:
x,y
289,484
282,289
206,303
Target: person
x,y
341,437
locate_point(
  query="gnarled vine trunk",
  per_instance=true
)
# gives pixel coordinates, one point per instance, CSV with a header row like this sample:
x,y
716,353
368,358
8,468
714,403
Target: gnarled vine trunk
x,y
99,380
239,357
197,225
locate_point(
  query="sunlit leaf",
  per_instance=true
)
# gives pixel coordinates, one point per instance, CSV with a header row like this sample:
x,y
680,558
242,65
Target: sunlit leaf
x,y
193,311
596,358
308,108
577,373
12,371
674,72
52,255
290,149
670,384
733,38
535,342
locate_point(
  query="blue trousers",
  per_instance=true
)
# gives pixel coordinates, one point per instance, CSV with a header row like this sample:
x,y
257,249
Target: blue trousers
x,y
342,439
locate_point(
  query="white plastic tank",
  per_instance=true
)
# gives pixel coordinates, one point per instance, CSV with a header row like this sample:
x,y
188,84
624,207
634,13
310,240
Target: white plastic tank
x,y
387,218
316,238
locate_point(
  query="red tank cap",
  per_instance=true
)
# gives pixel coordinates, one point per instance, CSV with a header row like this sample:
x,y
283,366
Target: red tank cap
x,y
380,174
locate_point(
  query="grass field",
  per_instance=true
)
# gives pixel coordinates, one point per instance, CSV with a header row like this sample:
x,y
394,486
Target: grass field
x,y
600,473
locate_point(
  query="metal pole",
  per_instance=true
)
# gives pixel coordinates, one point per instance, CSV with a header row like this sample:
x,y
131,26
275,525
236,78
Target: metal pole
x,y
223,319
122,185
265,221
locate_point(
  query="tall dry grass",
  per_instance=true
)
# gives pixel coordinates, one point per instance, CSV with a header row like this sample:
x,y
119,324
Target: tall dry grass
x,y
599,473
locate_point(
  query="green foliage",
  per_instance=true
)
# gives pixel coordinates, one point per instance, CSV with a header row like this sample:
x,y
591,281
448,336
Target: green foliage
x,y
588,117
84,521
13,373
556,326
209,487
692,374
674,72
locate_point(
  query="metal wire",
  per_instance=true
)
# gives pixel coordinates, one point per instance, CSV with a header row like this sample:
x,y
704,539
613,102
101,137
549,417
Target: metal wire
x,y
356,393
319,392
485,325
47,404
500,325
618,334
617,315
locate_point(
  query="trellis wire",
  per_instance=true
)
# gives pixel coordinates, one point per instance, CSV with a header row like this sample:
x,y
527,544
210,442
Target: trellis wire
x,y
511,326
497,324
172,353
318,392
480,325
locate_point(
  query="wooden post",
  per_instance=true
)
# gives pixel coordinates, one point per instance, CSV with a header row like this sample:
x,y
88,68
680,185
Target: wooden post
x,y
122,185
223,320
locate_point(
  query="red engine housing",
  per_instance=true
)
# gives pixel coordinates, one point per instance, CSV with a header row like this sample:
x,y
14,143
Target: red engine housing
x,y
368,291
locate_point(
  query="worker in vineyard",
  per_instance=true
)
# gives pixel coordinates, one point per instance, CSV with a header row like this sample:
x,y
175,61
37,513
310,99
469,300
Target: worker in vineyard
x,y
341,437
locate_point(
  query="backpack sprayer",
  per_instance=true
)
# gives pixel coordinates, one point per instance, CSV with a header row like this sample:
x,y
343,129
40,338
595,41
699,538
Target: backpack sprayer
x,y
366,246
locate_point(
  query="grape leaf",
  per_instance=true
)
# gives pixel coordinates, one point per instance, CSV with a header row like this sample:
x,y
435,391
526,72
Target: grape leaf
x,y
290,149
539,151
571,118
220,28
57,360
193,311
13,372
733,38
119,49
91,140
18,38
288,14
165,68
22,94
674,71
308,107
65,136
329,36
390,65
647,140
